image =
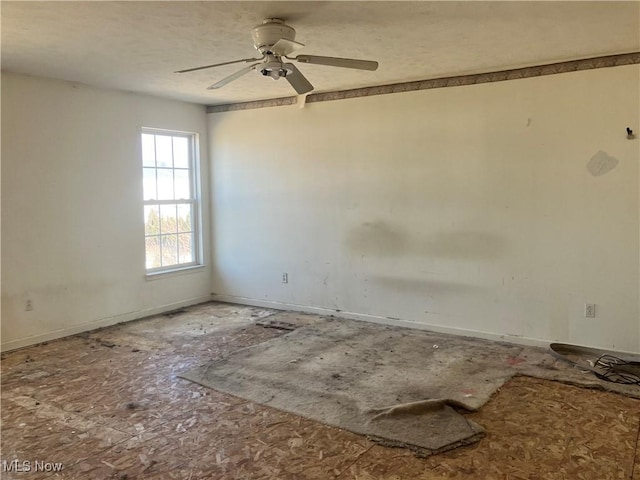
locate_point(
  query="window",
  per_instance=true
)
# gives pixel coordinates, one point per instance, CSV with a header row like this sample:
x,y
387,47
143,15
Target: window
x,y
171,206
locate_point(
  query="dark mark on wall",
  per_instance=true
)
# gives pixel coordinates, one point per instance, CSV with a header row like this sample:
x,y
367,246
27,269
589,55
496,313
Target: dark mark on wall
x,y
381,239
601,163
465,244
377,238
425,285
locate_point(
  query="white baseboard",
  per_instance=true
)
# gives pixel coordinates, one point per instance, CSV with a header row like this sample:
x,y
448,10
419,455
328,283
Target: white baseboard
x,y
103,322
254,302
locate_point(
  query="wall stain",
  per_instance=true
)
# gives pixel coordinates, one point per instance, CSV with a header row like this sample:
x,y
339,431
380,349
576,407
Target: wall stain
x,y
425,285
378,238
601,163
465,245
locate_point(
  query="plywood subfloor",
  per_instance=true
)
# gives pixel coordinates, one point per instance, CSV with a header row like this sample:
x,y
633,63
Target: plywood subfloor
x,y
108,405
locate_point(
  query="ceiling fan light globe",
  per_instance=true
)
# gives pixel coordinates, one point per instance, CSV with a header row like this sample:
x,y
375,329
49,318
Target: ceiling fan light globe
x,y
273,73
274,69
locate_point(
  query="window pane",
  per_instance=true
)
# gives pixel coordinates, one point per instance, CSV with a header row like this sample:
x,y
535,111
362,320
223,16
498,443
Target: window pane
x,y
171,234
169,250
149,183
185,248
148,150
180,152
184,218
151,220
164,153
152,252
165,184
182,184
168,221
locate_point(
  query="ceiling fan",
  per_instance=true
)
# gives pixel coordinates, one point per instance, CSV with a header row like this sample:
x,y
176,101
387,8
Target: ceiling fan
x,y
275,40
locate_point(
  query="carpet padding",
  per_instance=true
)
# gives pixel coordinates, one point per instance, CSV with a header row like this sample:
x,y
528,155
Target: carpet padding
x,y
398,386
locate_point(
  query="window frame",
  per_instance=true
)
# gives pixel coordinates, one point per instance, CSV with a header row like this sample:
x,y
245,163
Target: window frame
x,y
194,200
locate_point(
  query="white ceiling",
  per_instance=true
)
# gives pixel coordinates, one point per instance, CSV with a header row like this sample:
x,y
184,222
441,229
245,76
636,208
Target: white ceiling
x,y
135,46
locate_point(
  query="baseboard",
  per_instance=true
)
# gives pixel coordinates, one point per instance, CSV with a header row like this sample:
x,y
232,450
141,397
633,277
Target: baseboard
x,y
103,322
254,302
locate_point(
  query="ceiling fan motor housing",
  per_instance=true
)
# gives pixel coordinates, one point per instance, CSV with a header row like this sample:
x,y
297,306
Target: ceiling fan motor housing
x,y
269,32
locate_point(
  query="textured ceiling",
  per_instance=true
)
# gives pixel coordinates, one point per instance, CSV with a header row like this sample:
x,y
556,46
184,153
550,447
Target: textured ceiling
x,y
135,46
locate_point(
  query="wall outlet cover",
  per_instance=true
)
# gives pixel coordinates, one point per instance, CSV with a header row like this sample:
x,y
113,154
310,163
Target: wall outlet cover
x,y
590,310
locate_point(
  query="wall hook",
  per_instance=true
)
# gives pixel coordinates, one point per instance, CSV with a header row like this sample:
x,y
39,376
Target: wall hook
x,y
630,134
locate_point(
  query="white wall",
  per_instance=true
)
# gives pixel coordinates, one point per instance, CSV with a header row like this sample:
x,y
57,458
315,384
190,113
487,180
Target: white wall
x,y
466,209
72,228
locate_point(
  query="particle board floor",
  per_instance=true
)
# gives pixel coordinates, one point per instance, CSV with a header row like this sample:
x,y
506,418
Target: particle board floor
x,y
108,405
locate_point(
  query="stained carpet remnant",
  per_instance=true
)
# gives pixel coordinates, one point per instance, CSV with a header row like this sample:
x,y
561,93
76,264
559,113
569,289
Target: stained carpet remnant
x,y
354,375
397,386
327,374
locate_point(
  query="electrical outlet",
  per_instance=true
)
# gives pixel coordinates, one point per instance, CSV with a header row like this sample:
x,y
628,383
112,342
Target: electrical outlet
x,y
28,306
590,310
285,278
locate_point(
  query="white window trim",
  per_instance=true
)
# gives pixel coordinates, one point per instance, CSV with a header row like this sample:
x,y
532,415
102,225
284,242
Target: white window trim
x,y
196,201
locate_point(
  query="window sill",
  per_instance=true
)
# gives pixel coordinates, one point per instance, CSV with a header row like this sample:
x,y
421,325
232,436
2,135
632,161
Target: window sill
x,y
177,271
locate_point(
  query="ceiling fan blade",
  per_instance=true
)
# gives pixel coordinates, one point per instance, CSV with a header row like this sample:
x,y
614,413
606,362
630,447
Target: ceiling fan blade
x,y
298,81
284,47
338,62
245,60
233,77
